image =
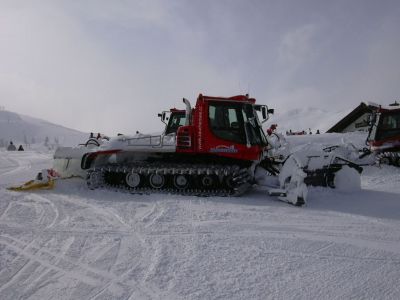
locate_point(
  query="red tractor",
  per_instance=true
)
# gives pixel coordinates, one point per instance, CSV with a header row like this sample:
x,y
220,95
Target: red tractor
x,y
207,149
211,149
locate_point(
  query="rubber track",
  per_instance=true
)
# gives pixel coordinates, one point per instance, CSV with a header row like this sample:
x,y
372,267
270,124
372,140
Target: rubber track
x,y
393,157
240,177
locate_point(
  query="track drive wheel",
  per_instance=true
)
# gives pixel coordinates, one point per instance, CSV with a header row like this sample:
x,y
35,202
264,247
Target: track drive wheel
x,y
385,160
133,180
229,182
181,181
156,181
207,181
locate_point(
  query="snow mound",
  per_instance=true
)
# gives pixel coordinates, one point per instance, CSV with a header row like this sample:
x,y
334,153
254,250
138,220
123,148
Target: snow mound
x,y
347,180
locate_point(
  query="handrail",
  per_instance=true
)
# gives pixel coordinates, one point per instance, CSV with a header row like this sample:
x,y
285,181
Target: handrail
x,y
153,141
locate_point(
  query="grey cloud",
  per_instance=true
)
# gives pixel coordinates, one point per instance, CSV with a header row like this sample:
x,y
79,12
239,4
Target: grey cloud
x,y
112,65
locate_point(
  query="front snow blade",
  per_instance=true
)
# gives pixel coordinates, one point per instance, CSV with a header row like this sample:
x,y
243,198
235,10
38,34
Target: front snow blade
x,y
67,161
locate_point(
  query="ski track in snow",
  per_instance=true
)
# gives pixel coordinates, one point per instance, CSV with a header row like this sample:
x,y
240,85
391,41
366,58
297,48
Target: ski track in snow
x,y
73,243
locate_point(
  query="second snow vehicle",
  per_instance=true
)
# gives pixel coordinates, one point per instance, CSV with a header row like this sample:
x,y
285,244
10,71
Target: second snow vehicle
x,y
384,136
211,149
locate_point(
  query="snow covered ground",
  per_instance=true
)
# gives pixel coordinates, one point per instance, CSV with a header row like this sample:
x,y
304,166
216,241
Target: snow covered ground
x,y
73,243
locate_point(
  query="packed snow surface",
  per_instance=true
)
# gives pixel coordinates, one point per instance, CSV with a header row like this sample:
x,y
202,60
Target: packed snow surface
x,y
73,243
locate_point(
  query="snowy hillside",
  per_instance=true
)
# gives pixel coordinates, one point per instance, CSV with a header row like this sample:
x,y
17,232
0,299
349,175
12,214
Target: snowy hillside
x,y
20,128
299,119
75,243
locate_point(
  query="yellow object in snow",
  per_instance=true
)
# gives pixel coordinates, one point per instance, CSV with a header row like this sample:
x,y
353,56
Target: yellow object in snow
x,y
34,185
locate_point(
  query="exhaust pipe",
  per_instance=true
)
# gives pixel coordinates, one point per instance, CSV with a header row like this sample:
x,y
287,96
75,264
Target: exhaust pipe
x,y
188,114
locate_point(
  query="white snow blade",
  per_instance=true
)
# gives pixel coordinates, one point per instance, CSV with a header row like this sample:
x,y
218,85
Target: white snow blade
x,y
314,168
67,161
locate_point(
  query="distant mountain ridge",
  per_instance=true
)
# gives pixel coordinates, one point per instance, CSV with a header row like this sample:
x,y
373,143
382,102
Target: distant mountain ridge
x,y
21,129
8,116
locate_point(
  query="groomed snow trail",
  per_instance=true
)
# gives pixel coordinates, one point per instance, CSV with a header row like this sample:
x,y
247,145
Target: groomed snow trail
x,y
72,243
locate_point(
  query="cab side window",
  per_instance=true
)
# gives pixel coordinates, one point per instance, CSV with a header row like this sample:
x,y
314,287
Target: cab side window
x,y
175,121
226,122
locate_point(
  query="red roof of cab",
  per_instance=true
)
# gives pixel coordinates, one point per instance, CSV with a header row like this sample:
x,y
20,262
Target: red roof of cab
x,y
239,98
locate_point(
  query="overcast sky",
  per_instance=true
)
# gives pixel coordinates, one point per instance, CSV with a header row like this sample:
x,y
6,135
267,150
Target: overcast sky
x,y
111,66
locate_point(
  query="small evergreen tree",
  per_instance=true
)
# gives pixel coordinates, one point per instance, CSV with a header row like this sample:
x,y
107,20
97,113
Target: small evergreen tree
x,y
46,141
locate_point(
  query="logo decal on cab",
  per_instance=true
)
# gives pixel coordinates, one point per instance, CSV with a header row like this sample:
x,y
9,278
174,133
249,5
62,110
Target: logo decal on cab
x,y
224,149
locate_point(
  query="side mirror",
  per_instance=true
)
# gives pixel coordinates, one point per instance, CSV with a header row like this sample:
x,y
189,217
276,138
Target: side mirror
x,y
264,112
164,116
